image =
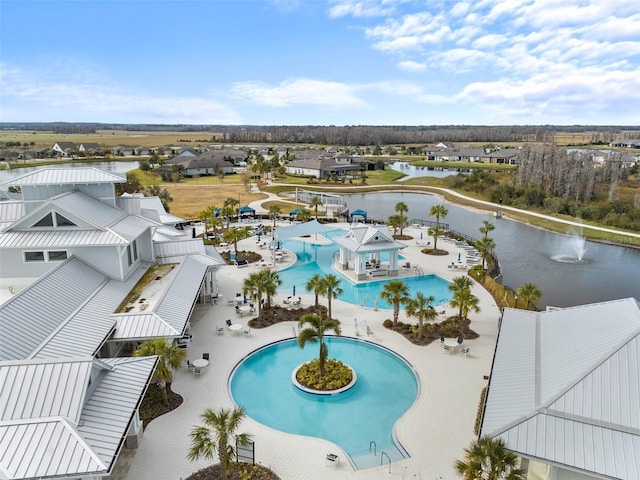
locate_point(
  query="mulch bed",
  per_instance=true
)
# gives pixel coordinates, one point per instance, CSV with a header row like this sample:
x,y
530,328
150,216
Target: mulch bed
x,y
251,257
449,328
152,406
275,314
254,472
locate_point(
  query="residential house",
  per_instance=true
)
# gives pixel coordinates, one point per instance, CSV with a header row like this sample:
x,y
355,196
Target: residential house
x,y
325,165
564,391
74,299
90,148
65,149
630,143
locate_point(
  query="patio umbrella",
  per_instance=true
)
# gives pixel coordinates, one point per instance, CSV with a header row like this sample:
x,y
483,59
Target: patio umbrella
x,y
459,257
294,290
420,235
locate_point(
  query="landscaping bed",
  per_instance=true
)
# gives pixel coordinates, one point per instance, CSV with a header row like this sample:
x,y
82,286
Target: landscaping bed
x,y
152,406
449,328
274,314
239,471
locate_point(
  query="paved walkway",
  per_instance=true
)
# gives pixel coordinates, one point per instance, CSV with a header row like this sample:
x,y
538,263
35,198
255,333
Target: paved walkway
x,y
434,431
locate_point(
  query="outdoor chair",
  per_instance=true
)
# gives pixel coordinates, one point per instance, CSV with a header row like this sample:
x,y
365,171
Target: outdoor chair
x,y
228,321
442,342
189,365
220,330
205,356
460,339
332,460
464,351
246,332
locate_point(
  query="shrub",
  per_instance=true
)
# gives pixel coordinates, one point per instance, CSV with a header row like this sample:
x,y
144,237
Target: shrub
x,y
336,375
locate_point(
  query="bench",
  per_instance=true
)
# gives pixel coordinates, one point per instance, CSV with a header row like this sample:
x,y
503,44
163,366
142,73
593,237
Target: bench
x,y
241,263
378,273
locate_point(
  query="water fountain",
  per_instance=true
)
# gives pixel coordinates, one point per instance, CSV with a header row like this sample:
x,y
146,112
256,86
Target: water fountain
x,y
572,250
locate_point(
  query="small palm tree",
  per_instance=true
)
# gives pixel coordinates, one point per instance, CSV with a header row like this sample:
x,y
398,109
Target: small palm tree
x,y
331,288
488,459
270,281
170,357
438,211
421,307
214,436
402,208
486,227
314,203
484,247
456,287
466,302
530,293
395,293
274,212
396,222
315,331
234,235
303,215
314,284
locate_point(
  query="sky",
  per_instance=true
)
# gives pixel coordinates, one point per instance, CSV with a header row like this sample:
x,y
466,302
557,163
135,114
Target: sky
x,y
321,62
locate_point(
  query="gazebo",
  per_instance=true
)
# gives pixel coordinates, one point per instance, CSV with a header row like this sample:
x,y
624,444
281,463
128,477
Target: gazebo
x,y
358,213
365,244
246,210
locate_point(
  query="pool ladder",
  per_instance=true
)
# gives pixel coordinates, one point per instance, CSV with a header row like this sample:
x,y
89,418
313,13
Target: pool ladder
x,y
372,446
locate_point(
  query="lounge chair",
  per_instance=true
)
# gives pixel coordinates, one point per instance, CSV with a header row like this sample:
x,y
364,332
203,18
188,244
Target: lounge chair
x,y
205,356
189,365
332,460
220,330
229,322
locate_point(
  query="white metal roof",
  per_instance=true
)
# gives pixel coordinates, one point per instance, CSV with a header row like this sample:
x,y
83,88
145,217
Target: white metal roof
x,y
65,176
59,238
171,313
565,387
149,207
31,317
366,239
54,423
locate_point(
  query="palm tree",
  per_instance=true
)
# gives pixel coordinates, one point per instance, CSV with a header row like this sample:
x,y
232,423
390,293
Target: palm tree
x,y
466,302
331,288
487,227
270,282
421,307
233,235
227,212
219,428
254,287
170,357
315,331
396,222
315,202
314,284
274,211
438,211
457,285
303,215
484,247
402,208
232,202
488,459
530,293
395,293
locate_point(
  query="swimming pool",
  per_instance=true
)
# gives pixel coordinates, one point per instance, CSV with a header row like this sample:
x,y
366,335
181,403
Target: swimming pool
x,y
387,386
318,259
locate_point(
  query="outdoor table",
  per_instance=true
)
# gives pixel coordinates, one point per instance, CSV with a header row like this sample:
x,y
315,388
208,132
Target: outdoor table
x,y
235,328
245,310
452,344
199,365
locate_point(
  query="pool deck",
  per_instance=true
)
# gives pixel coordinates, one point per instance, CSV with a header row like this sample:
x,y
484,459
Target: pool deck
x,y
434,431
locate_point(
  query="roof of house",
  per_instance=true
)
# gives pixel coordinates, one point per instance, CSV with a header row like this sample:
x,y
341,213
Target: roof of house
x,y
55,422
366,238
565,387
65,176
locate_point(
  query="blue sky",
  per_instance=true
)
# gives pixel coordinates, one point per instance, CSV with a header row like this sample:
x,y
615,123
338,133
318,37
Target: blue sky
x,y
321,62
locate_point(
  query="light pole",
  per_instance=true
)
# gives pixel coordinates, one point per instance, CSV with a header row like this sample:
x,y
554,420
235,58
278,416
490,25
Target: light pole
x,y
516,299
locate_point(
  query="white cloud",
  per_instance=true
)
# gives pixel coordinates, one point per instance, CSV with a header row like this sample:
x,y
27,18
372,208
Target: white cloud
x,y
411,66
360,8
57,97
299,91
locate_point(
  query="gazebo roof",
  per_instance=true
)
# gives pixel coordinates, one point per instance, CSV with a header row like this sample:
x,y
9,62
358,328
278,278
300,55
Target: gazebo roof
x,y
365,238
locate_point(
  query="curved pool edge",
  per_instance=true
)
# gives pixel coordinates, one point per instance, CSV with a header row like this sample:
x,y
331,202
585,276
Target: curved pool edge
x,y
396,440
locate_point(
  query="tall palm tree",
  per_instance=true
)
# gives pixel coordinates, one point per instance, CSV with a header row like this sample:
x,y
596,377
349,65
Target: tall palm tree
x,y
486,227
270,282
457,285
274,211
232,202
215,435
315,331
401,208
466,302
484,247
396,222
489,459
421,307
303,215
254,287
395,293
170,357
234,235
331,288
530,293
227,212
438,211
314,203
314,284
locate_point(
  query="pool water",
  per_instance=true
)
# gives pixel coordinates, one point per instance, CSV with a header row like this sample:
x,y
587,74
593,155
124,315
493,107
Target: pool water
x,y
385,389
318,259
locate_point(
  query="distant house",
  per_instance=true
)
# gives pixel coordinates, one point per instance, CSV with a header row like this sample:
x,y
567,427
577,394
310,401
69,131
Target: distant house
x,y
207,163
90,148
64,149
325,165
631,143
564,391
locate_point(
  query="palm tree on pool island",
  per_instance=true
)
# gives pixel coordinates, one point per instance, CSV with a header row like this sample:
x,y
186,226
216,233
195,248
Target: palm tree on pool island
x,y
395,293
315,332
214,436
488,459
421,307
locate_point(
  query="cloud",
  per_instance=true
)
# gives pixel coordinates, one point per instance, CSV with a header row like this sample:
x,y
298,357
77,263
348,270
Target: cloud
x,y
411,66
299,91
57,98
360,8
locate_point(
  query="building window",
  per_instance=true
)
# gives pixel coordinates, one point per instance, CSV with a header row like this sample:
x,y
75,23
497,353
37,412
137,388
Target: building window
x,y
57,255
129,255
46,221
135,250
34,256
63,221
